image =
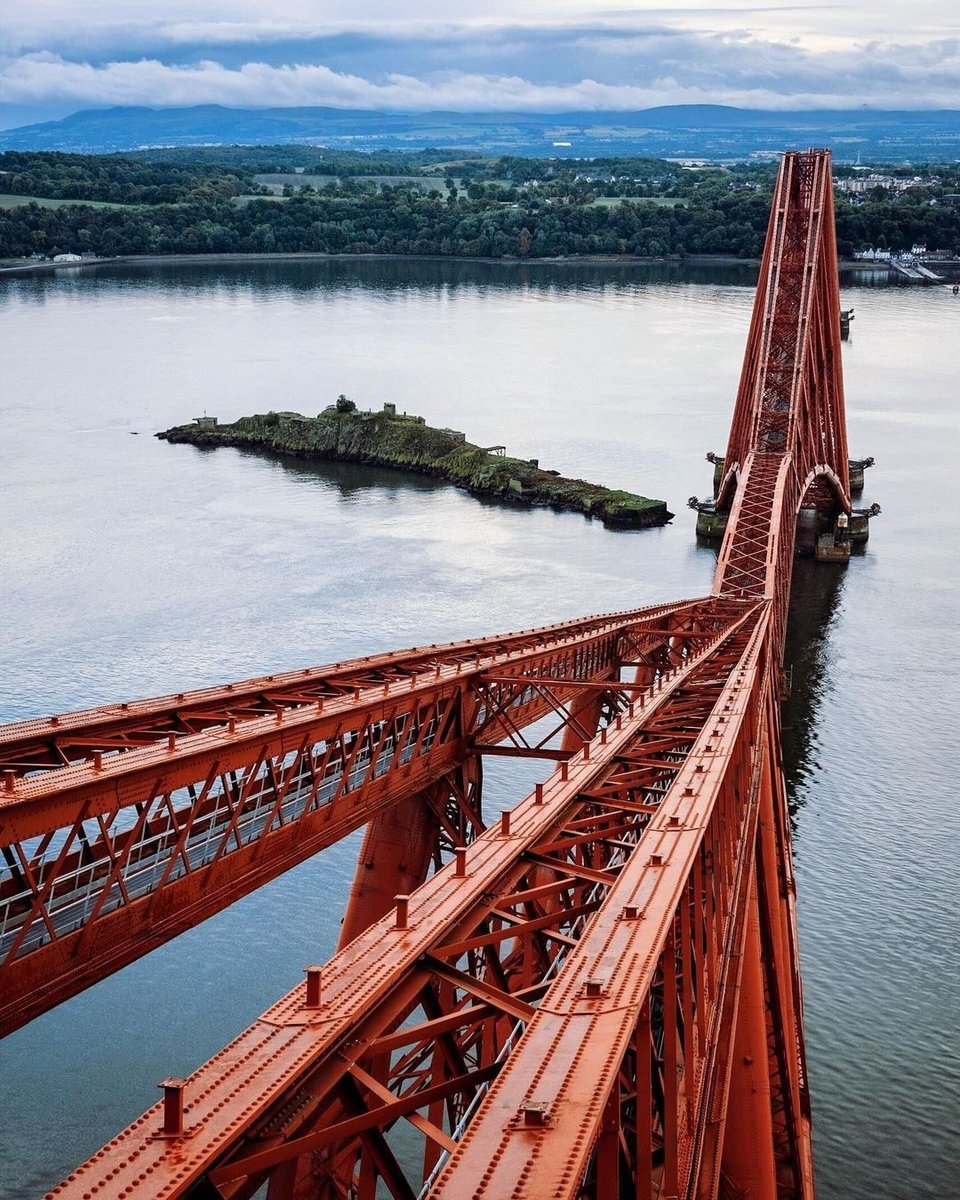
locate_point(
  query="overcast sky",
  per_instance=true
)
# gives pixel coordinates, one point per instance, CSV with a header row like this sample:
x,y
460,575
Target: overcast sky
x,y
57,56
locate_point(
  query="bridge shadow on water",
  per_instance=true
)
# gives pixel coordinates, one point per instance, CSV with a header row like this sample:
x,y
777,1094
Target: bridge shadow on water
x,y
814,604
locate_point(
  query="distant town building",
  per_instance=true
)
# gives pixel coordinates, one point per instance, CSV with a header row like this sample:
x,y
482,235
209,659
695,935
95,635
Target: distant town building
x,y
67,258
867,183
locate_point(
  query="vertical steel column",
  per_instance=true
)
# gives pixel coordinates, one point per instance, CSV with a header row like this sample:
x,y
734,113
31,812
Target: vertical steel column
x,y
394,859
585,709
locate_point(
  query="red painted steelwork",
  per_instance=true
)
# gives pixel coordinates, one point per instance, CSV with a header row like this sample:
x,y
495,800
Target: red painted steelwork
x,y
600,996
107,858
447,990
788,441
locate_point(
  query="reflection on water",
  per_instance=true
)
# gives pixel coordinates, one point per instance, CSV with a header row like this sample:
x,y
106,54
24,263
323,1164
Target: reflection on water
x,y
347,479
814,599
389,275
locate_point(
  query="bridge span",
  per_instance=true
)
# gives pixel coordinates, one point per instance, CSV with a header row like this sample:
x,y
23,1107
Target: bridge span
x,y
596,996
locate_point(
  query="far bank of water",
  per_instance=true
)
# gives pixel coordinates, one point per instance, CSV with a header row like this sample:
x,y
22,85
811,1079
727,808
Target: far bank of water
x,y
131,568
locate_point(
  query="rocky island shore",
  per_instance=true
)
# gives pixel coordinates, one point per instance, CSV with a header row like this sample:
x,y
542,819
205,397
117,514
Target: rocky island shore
x,y
390,439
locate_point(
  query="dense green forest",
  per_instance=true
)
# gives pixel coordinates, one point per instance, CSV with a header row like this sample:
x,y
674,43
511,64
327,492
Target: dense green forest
x,y
228,200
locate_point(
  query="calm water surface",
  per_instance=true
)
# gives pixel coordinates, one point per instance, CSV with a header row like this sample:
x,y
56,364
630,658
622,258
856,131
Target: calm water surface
x,y
130,568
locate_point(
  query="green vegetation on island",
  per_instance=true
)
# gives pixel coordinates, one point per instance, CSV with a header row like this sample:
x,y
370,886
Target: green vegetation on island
x,y
300,199
342,434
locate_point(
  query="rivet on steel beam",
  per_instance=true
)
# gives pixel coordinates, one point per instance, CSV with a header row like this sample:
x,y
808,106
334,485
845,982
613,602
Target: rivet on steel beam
x,y
171,741
538,794
403,911
173,1106
9,780
535,1115
505,822
97,760
313,987
564,771
656,860
593,988
461,861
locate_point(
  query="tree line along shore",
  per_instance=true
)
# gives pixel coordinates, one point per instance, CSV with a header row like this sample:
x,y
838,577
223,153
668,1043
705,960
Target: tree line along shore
x,y
269,200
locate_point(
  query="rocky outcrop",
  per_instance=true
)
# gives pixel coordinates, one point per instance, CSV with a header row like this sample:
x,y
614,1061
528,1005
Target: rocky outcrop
x,y
408,444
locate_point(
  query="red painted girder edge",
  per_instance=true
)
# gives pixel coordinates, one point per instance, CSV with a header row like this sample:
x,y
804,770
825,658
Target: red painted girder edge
x,y
234,1088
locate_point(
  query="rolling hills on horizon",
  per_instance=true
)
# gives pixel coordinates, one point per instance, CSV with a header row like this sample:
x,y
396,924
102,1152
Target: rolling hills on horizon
x,y
713,132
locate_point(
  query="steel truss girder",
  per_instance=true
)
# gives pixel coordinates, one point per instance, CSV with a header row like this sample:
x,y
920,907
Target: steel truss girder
x,y
104,860
788,443
54,742
494,922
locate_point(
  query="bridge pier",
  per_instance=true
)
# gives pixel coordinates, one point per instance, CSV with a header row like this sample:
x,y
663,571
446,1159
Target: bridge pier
x,y
711,521
857,468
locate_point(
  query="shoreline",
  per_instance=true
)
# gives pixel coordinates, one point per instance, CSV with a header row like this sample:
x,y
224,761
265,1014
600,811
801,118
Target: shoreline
x,y
306,256
321,256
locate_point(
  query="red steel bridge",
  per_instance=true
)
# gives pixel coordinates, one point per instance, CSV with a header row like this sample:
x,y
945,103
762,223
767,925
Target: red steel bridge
x,y
595,996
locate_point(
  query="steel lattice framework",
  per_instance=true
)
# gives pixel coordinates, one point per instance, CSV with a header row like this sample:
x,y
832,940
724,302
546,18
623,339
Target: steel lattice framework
x,y
598,995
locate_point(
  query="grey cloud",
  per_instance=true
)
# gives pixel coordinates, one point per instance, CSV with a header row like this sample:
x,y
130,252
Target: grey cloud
x,y
598,65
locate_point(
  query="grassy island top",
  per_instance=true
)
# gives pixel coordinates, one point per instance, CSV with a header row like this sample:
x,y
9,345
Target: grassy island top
x,y
343,434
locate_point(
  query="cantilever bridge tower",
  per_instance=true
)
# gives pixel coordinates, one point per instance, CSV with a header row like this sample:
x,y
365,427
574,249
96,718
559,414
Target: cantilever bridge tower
x,y
597,995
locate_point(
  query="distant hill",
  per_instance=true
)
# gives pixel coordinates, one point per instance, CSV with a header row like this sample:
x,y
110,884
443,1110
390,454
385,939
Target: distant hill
x,y
713,132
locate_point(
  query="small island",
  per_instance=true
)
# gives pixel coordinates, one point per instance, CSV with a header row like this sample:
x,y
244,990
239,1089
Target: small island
x,y
386,438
